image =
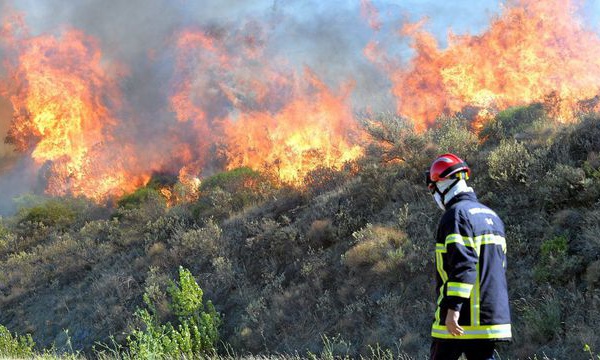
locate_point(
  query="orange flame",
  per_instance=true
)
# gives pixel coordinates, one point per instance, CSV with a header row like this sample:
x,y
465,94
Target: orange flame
x,y
272,122
61,102
310,131
534,49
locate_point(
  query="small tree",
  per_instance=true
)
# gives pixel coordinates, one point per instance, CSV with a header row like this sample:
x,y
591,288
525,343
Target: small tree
x,y
17,346
195,334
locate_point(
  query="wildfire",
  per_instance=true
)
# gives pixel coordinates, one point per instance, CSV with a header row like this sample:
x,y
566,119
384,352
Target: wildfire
x,y
310,131
535,48
234,101
276,121
61,97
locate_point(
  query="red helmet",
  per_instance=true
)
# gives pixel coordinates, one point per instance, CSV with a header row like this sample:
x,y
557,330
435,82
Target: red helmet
x,y
446,165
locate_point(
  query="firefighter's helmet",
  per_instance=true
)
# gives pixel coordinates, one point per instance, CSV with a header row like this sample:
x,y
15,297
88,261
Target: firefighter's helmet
x,y
445,167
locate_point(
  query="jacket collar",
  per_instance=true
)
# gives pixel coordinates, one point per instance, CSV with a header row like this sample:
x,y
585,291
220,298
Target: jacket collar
x,y
460,197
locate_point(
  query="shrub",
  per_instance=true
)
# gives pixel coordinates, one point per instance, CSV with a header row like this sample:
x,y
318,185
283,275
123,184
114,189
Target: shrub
x,y
379,249
231,191
585,139
195,334
510,122
51,213
7,239
323,179
555,265
139,197
542,319
451,134
396,141
234,180
15,346
321,234
568,186
509,162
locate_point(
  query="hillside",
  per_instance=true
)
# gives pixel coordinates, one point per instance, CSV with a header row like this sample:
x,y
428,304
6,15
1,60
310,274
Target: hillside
x,y
344,264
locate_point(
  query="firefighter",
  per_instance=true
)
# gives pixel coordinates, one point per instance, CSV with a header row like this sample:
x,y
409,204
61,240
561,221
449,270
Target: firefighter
x,y
472,312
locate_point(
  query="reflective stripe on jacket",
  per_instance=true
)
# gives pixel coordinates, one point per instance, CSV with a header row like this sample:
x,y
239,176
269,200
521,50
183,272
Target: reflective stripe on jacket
x,y
470,257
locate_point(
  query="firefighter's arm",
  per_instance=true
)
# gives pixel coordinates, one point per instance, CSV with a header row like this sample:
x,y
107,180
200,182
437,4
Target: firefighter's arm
x,y
462,270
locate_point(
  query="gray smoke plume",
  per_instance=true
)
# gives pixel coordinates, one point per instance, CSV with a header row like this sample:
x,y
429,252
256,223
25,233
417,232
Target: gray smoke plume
x,y
326,36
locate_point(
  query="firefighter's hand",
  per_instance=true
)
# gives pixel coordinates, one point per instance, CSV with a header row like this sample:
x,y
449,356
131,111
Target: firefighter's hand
x,y
452,323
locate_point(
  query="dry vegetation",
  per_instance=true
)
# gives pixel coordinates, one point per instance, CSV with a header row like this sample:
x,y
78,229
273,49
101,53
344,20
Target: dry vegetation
x,y
342,268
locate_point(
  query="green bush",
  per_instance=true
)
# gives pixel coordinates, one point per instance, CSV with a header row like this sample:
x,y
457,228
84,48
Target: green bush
x,y
567,186
195,333
542,319
509,162
51,213
232,180
139,197
555,264
451,134
510,122
231,191
15,346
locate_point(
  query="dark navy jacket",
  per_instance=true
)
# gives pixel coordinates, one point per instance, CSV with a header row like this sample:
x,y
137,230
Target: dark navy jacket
x,y
471,263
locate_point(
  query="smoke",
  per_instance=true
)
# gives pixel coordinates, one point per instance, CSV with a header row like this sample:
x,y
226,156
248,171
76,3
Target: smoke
x,y
5,117
139,38
328,36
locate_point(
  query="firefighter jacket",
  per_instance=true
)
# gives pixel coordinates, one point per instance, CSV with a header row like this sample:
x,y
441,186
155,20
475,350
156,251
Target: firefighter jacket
x,y
470,258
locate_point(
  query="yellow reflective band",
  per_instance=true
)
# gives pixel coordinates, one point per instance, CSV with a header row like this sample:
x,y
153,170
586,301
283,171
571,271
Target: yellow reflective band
x,y
439,264
459,289
491,239
474,332
439,301
440,247
486,239
475,310
455,238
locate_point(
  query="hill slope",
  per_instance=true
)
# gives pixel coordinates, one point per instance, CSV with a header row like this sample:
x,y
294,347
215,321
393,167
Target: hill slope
x,y
349,259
